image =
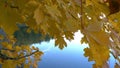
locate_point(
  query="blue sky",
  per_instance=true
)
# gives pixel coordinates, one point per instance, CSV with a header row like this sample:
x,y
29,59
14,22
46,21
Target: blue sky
x,y
70,57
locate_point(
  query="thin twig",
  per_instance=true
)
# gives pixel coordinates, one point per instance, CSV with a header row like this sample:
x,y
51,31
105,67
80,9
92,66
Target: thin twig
x,y
2,56
26,55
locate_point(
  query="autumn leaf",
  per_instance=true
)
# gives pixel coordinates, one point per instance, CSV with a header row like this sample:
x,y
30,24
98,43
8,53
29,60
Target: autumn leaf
x,y
84,40
9,17
38,15
69,35
96,53
60,42
97,49
88,53
9,64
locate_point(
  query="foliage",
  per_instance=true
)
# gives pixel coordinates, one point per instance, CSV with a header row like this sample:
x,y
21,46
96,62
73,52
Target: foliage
x,y
19,54
15,56
98,21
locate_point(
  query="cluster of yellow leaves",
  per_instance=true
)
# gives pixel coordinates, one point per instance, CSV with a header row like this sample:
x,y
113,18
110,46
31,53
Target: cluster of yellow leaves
x,y
18,56
53,17
57,18
15,11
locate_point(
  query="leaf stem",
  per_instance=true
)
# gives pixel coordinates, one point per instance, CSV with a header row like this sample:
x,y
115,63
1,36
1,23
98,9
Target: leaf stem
x,y
81,19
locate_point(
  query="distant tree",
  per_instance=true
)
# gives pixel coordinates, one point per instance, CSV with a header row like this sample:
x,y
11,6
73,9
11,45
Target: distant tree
x,y
23,37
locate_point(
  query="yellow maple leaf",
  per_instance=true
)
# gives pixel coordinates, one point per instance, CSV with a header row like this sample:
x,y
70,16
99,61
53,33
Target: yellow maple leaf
x,y
69,35
97,51
60,42
8,19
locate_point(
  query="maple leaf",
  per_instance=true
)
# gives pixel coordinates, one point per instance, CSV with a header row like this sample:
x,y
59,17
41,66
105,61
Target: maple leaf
x,y
97,49
60,42
69,35
10,15
84,40
96,53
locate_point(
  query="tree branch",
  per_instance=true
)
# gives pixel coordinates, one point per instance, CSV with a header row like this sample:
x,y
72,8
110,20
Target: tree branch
x,y
26,55
81,13
2,56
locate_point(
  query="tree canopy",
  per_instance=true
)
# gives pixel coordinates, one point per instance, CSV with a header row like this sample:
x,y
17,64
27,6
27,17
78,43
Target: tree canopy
x,y
98,21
